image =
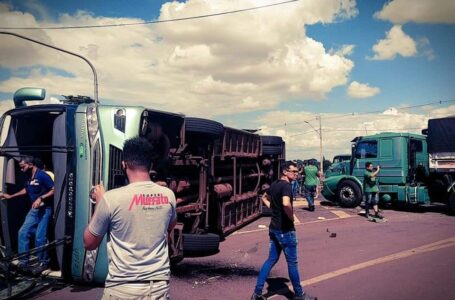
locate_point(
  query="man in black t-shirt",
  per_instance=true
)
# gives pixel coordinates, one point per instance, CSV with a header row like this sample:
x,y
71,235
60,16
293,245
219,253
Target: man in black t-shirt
x,y
282,233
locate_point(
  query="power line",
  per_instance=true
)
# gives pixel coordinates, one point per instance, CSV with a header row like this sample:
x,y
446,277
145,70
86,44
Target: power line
x,y
354,130
382,110
352,114
150,22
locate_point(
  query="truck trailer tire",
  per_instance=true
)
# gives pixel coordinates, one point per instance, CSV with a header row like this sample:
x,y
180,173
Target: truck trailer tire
x,y
200,244
349,194
271,149
203,127
271,140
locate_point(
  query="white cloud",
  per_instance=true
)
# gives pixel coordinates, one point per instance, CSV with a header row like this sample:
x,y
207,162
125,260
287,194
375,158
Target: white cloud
x,y
362,90
419,11
206,67
302,142
391,111
344,50
396,43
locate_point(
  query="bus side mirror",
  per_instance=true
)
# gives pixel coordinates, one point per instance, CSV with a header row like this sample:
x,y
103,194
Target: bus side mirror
x,y
28,94
425,131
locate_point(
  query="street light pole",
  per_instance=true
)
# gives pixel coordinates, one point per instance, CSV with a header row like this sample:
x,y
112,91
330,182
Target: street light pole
x,y
95,77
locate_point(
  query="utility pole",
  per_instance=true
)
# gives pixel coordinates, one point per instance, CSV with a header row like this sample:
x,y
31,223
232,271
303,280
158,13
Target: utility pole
x,y
319,132
320,146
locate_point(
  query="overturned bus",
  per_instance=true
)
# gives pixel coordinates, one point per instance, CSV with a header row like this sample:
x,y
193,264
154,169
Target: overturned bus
x,y
217,174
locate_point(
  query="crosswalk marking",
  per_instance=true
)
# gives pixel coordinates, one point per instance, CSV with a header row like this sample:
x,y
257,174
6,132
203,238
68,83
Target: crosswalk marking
x,y
340,214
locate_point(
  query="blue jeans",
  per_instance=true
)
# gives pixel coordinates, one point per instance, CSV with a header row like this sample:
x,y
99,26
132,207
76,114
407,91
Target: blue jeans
x,y
36,222
309,194
286,242
295,188
371,199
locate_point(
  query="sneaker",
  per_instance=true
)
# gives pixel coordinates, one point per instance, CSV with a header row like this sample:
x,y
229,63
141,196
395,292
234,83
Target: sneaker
x,y
305,297
258,297
37,270
311,208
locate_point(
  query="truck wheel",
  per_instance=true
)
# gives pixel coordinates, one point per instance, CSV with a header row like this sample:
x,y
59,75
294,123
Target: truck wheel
x,y
271,140
349,194
200,244
271,149
203,126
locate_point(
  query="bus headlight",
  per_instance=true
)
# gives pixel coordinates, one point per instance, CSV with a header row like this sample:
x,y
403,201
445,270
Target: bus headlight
x,y
92,122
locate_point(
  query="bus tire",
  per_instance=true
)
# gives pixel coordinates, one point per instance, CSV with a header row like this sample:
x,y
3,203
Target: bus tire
x,y
203,127
200,244
271,140
349,194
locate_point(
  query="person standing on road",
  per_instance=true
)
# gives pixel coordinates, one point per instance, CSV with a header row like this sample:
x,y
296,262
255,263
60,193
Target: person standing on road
x,y
311,183
295,188
138,217
281,233
40,189
371,190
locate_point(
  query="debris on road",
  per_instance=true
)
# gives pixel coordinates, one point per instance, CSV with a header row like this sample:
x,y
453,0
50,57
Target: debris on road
x,y
321,218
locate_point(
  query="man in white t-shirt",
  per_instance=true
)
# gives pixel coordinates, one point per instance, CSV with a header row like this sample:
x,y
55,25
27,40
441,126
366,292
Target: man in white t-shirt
x,y
138,218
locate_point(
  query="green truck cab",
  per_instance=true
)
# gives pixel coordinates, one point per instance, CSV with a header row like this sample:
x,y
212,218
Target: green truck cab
x,y
340,165
403,159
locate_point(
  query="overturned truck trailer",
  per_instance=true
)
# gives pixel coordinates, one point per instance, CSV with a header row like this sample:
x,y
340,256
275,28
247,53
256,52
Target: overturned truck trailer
x,y
217,174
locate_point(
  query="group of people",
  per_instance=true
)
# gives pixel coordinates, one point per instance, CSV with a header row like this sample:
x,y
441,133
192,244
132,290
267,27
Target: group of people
x,y
139,265
306,183
137,245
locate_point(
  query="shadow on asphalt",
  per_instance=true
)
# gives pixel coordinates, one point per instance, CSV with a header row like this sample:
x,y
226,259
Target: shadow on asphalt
x,y
328,203
414,208
203,270
279,286
405,207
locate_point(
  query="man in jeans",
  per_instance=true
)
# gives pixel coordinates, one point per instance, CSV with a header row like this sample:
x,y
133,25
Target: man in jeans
x,y
371,190
39,188
311,183
282,233
138,218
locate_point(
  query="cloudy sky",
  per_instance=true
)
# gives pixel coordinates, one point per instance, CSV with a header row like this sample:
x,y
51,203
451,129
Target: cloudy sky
x,y
360,66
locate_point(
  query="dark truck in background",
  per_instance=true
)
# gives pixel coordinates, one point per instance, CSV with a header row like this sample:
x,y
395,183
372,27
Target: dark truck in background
x,y
415,168
441,150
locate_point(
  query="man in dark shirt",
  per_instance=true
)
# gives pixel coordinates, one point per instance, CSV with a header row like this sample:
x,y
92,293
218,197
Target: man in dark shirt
x,y
282,233
40,189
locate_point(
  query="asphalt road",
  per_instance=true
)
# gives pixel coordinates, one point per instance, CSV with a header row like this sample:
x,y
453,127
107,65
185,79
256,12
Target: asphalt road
x,y
342,255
